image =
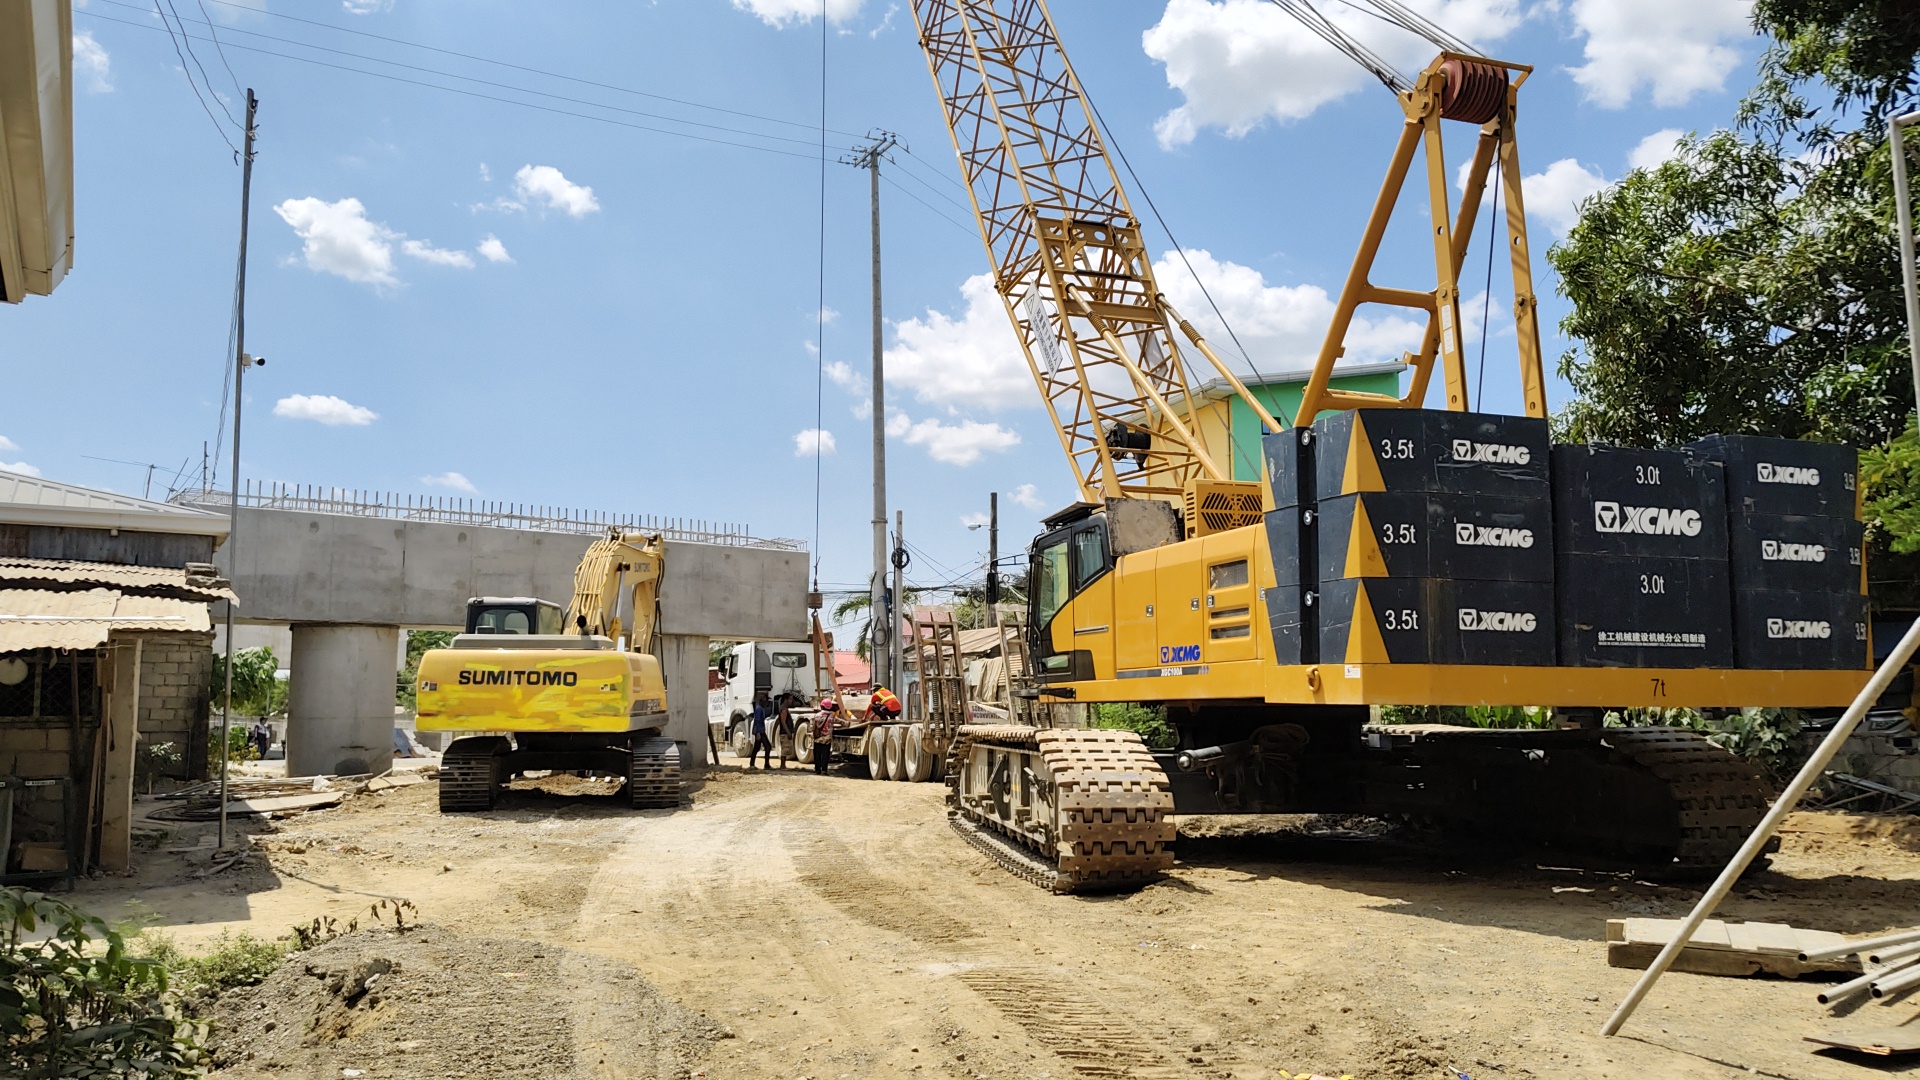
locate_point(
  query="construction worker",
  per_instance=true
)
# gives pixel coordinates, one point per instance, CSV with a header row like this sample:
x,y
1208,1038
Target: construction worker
x,y
824,721
785,728
884,706
762,711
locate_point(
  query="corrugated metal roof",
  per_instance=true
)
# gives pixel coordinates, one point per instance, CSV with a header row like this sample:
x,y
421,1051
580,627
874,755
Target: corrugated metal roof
x,y
983,640
40,619
32,500
199,582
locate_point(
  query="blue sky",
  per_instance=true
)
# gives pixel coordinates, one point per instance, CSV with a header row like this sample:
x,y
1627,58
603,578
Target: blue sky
x,y
459,294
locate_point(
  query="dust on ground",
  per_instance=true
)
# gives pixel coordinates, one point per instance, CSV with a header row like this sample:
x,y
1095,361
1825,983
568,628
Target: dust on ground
x,y
840,930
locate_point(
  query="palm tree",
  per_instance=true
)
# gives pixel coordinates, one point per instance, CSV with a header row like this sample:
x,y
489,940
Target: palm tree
x,y
859,602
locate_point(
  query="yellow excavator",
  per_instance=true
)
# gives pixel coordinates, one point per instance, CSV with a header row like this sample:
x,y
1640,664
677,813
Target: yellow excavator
x,y
1377,553
531,689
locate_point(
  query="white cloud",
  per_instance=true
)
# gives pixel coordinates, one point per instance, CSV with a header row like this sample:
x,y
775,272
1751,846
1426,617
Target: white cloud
x,y
546,184
19,467
324,409
1554,196
1673,48
1656,149
785,13
365,7
841,374
338,239
813,442
977,518
1282,326
959,443
827,314
90,59
492,250
500,204
974,360
1028,496
8,444
453,480
1239,63
426,252
486,174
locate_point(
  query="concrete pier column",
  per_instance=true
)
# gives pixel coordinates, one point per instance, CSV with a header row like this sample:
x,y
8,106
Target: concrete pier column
x,y
683,665
340,699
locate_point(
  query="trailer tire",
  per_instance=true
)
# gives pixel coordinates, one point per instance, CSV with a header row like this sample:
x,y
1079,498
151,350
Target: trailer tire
x,y
896,751
877,753
916,757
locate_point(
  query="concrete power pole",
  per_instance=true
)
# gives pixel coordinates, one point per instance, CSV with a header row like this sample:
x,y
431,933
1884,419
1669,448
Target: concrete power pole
x,y
241,362
993,558
882,623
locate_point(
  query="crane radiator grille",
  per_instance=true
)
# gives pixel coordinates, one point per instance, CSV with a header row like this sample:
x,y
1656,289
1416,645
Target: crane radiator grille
x,y
1215,506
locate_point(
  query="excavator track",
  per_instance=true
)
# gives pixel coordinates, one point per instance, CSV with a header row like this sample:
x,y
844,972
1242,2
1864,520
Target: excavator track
x,y
1070,811
470,774
653,776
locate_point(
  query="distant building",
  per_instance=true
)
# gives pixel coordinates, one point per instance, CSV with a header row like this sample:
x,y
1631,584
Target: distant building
x,y
105,663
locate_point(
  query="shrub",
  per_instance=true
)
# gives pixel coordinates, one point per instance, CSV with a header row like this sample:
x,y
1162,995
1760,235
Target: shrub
x,y
1149,723
77,1004
233,960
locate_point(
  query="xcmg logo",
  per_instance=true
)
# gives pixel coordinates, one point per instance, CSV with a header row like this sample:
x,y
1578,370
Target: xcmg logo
x,y
1799,628
1788,474
1494,453
1611,517
1471,535
1179,654
1512,622
1781,551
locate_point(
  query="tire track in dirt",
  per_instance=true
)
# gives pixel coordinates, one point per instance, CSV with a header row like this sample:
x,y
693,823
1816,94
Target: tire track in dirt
x,y
1090,1036
834,871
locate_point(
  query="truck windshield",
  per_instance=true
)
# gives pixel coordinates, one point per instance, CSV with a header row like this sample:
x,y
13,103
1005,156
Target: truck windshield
x,y
1052,581
789,660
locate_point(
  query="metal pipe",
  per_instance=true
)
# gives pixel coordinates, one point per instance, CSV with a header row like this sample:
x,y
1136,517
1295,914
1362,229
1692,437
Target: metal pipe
x,y
1790,798
1196,760
1898,952
1833,995
1885,985
1851,947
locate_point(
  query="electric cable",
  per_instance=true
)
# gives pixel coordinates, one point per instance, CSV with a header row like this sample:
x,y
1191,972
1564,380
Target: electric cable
x,y
935,211
204,77
484,97
215,34
183,70
253,9
500,85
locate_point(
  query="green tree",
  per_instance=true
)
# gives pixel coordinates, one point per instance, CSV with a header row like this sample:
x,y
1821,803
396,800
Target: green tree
x,y
418,642
856,603
257,690
1752,283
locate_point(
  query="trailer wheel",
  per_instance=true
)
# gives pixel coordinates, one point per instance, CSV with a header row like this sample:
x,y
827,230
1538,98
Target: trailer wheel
x,y
916,757
877,753
896,752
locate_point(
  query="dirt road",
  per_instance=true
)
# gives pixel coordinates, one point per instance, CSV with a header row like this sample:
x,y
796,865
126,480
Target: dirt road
x,y
835,928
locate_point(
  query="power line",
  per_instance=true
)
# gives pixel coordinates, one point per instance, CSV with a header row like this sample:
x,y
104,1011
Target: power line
x,y
489,97
216,48
195,87
935,211
500,85
204,77
253,10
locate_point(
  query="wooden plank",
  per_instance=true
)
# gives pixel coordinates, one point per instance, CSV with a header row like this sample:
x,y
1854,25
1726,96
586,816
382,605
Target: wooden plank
x,y
1882,1042
274,804
1723,948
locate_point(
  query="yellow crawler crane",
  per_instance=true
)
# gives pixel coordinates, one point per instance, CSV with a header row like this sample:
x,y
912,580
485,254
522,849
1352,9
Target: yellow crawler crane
x,y
1159,586
527,694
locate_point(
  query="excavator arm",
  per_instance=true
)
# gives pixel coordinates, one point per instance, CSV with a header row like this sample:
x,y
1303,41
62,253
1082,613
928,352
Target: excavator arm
x,y
616,589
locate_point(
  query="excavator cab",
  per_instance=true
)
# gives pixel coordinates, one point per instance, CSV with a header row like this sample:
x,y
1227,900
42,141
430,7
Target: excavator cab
x,y
514,615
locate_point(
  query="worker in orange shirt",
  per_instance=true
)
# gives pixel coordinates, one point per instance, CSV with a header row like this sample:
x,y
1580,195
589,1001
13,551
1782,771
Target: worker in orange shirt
x,y
883,707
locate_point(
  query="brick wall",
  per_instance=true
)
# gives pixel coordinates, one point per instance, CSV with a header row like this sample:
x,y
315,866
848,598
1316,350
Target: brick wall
x,y
175,680
1892,759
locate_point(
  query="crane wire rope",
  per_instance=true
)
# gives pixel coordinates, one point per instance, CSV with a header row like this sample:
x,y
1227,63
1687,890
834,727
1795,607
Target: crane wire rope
x,y
1486,307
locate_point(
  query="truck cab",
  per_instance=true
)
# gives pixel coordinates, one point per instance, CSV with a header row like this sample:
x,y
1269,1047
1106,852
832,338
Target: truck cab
x,y
751,667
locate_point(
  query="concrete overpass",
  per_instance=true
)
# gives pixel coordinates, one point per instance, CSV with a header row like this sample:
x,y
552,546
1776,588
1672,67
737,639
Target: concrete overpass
x,y
348,570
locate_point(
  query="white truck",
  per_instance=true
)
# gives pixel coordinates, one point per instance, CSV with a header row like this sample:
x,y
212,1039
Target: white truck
x,y
775,667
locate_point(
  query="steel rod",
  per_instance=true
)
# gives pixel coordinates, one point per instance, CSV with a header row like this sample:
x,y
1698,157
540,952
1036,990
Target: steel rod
x,y
1770,823
1851,947
1833,995
1898,952
1887,983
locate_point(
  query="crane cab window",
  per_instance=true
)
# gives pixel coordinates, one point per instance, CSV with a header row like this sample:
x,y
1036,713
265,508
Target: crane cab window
x,y
1052,581
1089,555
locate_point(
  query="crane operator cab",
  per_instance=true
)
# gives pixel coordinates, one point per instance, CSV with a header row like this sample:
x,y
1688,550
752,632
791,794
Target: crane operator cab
x,y
514,615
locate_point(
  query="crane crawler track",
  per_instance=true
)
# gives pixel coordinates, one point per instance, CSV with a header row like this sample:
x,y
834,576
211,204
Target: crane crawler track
x,y
1720,797
1070,811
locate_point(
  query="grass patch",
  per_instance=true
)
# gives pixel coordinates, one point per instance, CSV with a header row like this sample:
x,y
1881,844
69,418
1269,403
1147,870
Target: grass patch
x,y
233,960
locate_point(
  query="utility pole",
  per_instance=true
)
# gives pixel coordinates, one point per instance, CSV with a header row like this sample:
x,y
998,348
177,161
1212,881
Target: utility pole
x,y
241,362
993,558
898,667
884,623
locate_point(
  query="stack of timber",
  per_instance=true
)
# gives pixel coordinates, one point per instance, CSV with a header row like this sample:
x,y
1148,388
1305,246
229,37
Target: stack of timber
x,y
1724,948
273,796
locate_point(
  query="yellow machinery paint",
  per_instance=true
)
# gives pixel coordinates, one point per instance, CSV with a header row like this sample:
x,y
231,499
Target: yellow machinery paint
x,y
543,690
